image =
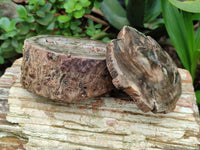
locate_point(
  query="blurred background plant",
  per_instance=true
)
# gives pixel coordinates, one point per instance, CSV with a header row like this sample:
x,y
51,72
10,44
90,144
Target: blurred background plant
x,y
180,18
36,17
174,23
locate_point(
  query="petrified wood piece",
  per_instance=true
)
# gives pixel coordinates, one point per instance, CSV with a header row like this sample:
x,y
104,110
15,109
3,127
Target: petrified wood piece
x,y
99,123
65,69
10,134
140,67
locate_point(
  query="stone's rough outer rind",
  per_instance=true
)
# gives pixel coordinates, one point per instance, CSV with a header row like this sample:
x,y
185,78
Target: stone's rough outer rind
x,y
140,67
65,69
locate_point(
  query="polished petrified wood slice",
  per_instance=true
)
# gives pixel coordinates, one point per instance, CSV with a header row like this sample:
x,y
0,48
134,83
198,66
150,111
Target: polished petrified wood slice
x,y
140,67
65,69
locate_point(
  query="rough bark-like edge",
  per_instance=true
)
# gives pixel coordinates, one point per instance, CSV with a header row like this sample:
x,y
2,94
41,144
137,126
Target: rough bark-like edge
x,y
98,65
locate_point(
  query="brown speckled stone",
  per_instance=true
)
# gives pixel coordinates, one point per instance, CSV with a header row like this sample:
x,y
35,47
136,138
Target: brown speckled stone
x,y
140,67
65,69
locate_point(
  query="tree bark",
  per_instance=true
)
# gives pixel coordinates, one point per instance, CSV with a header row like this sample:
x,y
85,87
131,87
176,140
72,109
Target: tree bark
x,y
98,123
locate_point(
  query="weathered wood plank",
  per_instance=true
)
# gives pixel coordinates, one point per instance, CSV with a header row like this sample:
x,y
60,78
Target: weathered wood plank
x,y
103,122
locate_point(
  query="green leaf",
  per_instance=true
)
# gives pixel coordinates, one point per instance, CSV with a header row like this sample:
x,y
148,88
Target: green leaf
x,y
40,13
176,29
30,35
4,23
45,20
51,26
30,19
9,54
154,25
11,33
196,16
7,49
64,18
197,38
14,43
96,4
46,7
5,44
99,35
41,2
98,25
114,13
19,48
78,6
52,1
135,12
1,60
106,39
69,6
85,3
152,10
79,13
187,5
74,25
32,1
12,25
197,93
188,22
90,32
22,12
24,28
197,45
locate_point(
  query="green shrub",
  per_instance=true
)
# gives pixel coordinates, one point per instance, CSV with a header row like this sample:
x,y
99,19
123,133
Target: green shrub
x,y
57,17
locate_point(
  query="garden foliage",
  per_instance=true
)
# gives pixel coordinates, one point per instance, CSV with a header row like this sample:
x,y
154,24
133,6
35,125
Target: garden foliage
x,y
179,18
57,17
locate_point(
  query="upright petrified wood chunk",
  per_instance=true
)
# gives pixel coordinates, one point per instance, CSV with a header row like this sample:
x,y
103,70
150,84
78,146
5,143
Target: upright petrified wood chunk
x,y
140,67
65,69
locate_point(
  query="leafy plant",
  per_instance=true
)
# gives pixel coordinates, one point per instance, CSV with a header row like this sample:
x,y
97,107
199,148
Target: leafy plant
x,y
58,17
197,93
8,39
137,13
179,25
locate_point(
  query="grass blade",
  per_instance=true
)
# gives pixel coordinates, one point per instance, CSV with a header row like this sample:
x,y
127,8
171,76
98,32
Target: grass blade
x,y
152,10
135,12
197,39
188,22
176,29
114,13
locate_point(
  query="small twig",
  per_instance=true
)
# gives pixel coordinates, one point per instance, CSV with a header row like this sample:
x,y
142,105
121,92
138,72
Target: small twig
x,y
96,19
196,25
97,11
106,28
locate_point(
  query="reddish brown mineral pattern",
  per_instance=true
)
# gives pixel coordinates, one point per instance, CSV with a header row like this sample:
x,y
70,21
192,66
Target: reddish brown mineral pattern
x,y
65,69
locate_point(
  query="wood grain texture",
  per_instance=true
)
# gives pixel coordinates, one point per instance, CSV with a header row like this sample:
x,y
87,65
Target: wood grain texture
x,y
11,137
104,122
140,67
65,69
